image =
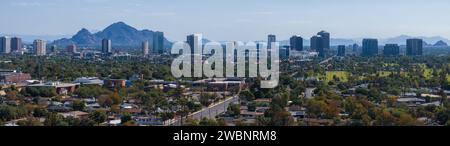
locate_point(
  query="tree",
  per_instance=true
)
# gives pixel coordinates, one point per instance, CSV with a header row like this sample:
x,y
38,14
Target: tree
x,y
168,115
30,122
125,118
442,115
234,110
98,116
54,119
205,99
406,119
78,105
383,117
251,106
246,95
105,101
208,122
315,108
332,109
8,113
40,112
221,122
115,97
190,122
193,106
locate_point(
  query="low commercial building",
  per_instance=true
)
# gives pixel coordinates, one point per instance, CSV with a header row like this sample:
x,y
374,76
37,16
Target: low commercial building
x,y
13,77
112,83
61,88
88,81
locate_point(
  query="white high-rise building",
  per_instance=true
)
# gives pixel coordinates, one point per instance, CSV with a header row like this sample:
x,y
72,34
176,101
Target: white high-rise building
x,y
40,47
145,48
5,45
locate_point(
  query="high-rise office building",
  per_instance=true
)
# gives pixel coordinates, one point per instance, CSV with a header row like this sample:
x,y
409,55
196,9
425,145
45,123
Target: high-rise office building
x,y
321,43
341,51
39,47
16,44
106,46
145,48
195,43
54,49
195,40
414,47
296,42
325,39
284,52
5,45
72,48
355,48
318,45
271,39
370,47
391,50
158,43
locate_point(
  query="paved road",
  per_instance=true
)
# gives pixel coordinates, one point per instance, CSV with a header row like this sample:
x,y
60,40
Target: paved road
x,y
214,110
211,111
327,60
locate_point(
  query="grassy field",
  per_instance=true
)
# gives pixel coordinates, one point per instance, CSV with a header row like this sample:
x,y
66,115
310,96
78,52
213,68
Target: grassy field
x,y
341,75
384,73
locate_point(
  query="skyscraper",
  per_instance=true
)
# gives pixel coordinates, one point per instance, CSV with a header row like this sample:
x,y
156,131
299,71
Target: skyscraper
x,y
370,47
355,48
391,50
414,47
271,39
106,46
158,43
5,45
284,52
72,48
39,47
321,43
318,45
341,51
195,43
54,49
195,40
145,48
296,42
325,39
16,44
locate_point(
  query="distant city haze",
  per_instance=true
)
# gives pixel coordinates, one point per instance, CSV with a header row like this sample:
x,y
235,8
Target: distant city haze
x,y
244,20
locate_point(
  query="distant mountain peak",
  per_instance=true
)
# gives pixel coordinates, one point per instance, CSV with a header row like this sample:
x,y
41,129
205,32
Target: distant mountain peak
x,y
440,43
120,25
83,32
120,33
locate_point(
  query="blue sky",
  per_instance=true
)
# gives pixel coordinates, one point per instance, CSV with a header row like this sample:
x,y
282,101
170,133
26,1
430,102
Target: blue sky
x,y
231,19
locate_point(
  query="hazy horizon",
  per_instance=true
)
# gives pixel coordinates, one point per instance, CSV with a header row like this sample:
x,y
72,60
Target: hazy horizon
x,y
231,20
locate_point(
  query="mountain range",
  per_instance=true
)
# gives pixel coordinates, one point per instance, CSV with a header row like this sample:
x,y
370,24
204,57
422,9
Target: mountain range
x,y
119,33
124,35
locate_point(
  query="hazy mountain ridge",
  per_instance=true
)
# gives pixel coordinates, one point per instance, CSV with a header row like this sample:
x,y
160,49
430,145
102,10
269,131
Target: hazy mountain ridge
x,y
120,34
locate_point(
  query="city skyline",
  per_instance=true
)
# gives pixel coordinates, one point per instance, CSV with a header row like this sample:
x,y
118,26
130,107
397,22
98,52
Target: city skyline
x,y
245,21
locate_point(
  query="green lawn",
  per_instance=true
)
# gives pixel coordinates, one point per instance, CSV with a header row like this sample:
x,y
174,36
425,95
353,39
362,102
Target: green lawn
x,y
341,75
